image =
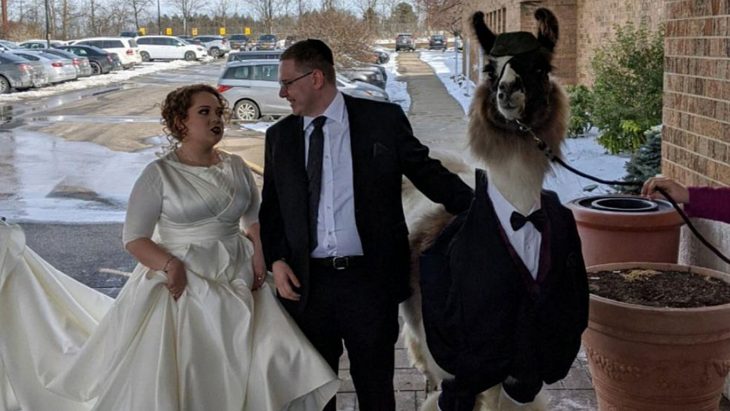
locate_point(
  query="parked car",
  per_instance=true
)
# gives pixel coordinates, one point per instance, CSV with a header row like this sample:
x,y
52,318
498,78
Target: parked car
x,y
252,87
168,48
100,60
289,40
254,55
404,41
239,42
40,44
437,42
374,75
57,68
124,47
82,64
7,45
217,46
360,89
15,73
190,40
131,34
381,56
266,42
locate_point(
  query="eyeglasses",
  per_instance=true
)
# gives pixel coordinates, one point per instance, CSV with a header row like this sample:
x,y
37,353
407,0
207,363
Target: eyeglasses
x,y
286,83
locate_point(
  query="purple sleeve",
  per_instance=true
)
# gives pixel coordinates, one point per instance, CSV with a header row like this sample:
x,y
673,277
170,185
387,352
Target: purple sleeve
x,y
710,203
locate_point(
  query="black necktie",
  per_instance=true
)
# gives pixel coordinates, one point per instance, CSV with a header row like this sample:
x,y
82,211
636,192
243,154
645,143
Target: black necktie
x,y
314,174
537,218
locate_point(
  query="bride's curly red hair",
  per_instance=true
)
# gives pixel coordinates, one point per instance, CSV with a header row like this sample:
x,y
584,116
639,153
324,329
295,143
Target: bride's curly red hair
x,y
176,105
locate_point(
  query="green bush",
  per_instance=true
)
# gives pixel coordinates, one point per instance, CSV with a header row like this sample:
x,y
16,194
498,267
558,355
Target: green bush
x,y
646,161
580,110
627,92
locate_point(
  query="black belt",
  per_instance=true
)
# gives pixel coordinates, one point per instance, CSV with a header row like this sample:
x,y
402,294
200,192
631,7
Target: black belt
x,y
339,263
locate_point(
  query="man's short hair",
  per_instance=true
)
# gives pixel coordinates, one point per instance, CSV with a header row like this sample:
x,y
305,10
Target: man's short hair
x,y
312,54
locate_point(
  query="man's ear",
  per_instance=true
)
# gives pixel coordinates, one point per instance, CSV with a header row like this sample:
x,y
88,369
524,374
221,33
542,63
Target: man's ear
x,y
318,77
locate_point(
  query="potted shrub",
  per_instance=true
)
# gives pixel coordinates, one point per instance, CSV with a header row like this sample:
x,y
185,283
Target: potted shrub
x,y
644,357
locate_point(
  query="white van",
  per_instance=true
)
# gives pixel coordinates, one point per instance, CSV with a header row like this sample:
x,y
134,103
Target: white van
x,y
168,48
124,47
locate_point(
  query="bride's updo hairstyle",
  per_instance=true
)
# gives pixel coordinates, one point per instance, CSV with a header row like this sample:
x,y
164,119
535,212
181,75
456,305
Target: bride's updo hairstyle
x,y
176,105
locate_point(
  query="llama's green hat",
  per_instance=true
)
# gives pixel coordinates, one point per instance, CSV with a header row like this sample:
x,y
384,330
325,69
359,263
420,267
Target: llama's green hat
x,y
514,43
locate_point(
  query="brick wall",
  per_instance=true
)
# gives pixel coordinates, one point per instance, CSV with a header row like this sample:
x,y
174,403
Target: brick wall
x,y
597,20
696,135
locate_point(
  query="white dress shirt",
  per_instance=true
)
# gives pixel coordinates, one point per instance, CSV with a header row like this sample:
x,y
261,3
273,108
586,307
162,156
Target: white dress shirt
x,y
336,228
525,241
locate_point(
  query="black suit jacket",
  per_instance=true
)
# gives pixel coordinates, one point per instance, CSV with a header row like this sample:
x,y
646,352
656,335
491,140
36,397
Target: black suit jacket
x,y
383,150
483,319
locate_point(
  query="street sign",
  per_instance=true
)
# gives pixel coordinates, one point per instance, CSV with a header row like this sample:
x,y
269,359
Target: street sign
x,y
222,31
247,31
143,31
168,31
195,31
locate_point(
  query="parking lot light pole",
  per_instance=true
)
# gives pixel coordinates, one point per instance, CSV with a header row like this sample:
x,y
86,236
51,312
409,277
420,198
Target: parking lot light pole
x,y
159,23
48,24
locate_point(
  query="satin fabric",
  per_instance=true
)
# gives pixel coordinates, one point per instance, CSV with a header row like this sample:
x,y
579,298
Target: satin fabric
x,y
64,346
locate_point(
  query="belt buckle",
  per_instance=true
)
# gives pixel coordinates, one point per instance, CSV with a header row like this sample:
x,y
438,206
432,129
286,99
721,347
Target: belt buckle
x,y
340,263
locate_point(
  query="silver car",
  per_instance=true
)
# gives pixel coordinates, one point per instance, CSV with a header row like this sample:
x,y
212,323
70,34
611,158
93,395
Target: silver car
x,y
15,73
251,87
81,63
57,68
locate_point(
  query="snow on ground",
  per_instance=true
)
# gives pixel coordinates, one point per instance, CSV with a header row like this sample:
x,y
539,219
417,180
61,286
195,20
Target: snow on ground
x,y
96,81
584,154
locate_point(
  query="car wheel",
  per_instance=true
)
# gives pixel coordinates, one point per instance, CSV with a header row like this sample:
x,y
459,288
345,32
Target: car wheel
x,y
215,52
145,56
246,110
189,56
4,85
95,68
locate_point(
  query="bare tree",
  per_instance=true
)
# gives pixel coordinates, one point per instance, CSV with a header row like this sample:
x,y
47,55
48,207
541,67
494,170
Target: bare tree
x,y
442,14
347,36
186,9
265,10
138,8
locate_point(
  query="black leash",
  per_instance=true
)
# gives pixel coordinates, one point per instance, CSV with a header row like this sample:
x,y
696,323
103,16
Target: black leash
x,y
542,146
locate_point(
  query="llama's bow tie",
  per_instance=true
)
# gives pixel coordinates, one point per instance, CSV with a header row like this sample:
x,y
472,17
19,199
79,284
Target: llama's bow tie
x,y
537,218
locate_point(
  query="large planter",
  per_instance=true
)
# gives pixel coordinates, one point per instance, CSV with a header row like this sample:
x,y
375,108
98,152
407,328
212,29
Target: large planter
x,y
644,358
626,228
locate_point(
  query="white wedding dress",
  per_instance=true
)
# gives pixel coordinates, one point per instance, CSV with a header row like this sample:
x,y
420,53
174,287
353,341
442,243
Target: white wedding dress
x,y
222,347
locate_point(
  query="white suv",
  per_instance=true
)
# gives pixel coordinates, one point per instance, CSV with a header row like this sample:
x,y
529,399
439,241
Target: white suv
x,y
124,47
168,48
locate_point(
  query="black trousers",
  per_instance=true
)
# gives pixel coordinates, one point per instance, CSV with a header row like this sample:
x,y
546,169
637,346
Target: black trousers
x,y
350,306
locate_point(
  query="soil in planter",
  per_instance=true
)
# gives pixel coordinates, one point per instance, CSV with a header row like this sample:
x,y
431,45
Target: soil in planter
x,y
659,288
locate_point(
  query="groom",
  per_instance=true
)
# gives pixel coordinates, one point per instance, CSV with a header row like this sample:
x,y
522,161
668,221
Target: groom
x,y
332,223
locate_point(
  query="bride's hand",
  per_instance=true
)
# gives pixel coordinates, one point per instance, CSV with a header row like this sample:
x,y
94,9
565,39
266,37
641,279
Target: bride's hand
x,y
177,280
259,269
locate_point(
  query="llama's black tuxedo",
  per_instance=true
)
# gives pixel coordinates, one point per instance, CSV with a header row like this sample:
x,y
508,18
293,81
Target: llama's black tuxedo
x,y
486,318
358,305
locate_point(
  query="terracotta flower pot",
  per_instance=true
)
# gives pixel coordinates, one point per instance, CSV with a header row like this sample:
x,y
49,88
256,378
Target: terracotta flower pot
x,y
645,358
626,228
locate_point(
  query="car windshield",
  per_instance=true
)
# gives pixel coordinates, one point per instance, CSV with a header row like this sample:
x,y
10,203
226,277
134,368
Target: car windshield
x,y
267,37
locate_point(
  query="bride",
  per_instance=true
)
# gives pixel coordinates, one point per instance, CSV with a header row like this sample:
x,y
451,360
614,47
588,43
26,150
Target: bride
x,y
196,327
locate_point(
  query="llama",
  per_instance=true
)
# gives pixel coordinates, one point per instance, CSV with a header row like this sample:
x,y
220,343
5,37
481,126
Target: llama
x,y
459,263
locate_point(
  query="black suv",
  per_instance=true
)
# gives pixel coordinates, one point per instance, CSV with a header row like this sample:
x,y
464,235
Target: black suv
x,y
437,42
404,41
239,41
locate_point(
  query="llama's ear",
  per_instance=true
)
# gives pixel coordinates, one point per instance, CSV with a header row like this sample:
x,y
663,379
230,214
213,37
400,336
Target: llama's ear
x,y
484,35
547,28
